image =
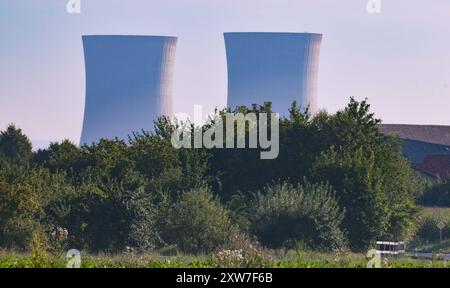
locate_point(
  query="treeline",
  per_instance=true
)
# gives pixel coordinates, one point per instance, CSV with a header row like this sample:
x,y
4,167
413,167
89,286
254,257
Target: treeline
x,y
436,194
337,184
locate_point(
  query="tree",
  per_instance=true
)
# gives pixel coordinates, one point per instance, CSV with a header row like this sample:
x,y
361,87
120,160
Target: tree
x,y
236,170
64,156
357,182
373,181
15,146
23,202
140,215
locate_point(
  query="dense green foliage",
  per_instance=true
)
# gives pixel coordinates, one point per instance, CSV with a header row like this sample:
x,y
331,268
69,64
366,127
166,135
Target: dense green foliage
x,y
199,222
145,194
373,182
15,146
437,194
307,214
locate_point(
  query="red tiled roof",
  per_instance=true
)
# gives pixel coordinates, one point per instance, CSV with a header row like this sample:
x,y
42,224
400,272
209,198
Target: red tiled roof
x,y
436,165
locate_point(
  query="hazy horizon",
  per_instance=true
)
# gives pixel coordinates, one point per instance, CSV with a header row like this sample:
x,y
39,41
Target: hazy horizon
x,y
398,59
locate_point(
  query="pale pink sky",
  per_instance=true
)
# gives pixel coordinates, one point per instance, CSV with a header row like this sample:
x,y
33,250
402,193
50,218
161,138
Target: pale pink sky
x,y
399,59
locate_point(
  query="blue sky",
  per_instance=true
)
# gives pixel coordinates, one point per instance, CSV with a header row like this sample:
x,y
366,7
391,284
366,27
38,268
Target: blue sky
x,y
399,59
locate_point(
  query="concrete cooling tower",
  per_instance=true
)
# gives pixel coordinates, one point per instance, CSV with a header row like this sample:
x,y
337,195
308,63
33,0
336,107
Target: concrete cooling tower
x,y
128,84
275,67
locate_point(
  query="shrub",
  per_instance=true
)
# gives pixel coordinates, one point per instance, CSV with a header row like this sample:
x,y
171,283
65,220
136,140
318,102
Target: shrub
x,y
307,213
107,215
198,222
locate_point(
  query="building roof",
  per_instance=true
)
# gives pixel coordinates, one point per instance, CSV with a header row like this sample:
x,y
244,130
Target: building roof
x,y
416,151
426,133
435,165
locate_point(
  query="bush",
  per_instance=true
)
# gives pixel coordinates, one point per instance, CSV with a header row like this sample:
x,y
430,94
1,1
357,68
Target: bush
x,y
307,213
198,222
109,217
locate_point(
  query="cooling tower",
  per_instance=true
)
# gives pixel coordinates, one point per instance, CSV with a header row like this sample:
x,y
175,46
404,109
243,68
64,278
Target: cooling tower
x,y
128,84
275,67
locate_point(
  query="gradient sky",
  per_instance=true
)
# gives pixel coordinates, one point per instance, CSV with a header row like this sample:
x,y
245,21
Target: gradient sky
x,y
399,59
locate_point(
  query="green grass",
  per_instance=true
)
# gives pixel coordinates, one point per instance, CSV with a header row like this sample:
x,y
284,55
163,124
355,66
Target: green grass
x,y
148,260
289,259
427,231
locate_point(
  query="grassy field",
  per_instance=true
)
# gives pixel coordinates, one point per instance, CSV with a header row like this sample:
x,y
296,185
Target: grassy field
x,y
426,240
290,259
